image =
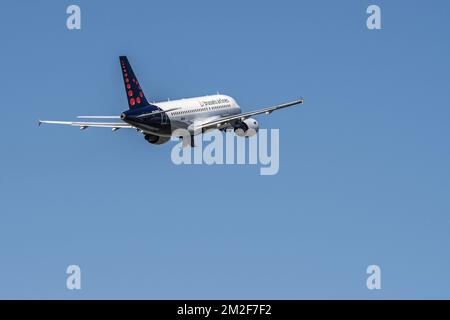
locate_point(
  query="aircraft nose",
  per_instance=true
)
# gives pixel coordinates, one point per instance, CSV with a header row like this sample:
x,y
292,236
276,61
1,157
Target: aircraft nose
x,y
123,116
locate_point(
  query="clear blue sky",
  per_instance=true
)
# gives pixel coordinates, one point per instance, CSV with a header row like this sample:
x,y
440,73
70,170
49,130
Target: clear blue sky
x,y
364,165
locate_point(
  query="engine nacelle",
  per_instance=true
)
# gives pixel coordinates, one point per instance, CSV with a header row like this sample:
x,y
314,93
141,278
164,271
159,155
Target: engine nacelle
x,y
154,139
247,128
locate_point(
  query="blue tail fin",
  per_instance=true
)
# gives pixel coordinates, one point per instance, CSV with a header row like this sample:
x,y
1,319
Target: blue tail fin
x,y
133,90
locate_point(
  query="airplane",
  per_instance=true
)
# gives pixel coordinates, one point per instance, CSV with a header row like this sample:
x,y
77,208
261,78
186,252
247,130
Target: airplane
x,y
159,121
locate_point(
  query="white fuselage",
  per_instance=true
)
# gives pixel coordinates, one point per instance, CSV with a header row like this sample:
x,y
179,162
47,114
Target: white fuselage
x,y
204,108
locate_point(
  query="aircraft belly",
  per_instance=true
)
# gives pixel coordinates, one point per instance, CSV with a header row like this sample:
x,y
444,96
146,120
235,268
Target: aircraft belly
x,y
163,131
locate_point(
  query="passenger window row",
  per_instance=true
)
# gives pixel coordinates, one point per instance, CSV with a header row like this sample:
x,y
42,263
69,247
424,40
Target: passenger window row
x,y
175,113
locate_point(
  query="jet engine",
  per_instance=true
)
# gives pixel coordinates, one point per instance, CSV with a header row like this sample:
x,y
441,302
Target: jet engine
x,y
247,128
154,139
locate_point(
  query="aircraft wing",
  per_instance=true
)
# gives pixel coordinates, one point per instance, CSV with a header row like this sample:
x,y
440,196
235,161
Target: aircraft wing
x,y
242,116
84,125
98,117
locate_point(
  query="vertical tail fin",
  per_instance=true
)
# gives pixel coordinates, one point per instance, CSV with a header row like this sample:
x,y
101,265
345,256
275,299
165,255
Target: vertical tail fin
x,y
135,95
